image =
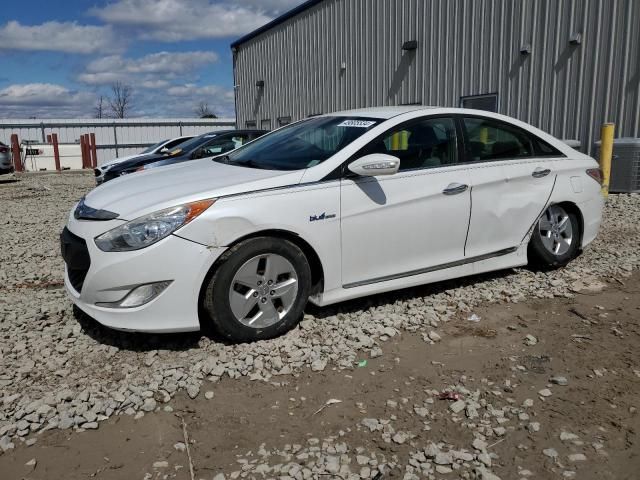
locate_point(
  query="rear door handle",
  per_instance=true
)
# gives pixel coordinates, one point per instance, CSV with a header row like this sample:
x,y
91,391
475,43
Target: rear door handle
x,y
455,188
540,172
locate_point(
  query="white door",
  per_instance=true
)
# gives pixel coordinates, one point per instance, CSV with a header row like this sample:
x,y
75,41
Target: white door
x,y
511,181
402,224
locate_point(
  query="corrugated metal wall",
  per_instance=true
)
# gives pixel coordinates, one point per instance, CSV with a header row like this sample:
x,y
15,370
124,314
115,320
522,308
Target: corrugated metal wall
x,y
130,135
464,48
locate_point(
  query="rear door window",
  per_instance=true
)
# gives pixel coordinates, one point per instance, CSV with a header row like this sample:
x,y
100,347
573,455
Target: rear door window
x,y
488,139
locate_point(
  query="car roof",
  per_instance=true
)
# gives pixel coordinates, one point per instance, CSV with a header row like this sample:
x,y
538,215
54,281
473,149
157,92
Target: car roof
x,y
380,112
385,113
221,132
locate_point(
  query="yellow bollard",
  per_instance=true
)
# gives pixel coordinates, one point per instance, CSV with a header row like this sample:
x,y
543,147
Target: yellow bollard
x,y
606,151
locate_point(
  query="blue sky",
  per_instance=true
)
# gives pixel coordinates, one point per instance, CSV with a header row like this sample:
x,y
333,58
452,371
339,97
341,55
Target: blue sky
x,y
58,58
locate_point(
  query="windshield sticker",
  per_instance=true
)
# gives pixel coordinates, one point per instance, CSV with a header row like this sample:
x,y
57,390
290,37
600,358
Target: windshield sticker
x,y
356,123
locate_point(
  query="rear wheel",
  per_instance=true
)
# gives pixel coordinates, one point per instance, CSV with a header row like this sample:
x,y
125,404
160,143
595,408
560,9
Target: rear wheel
x,y
555,238
259,290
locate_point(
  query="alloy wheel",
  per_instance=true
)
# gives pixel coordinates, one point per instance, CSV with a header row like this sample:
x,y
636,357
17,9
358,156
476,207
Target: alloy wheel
x,y
555,230
263,290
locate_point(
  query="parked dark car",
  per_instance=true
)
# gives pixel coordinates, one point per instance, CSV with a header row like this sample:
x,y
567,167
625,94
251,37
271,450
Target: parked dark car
x,y
159,148
207,145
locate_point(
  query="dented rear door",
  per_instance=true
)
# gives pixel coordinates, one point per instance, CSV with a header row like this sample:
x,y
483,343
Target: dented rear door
x,y
506,199
510,183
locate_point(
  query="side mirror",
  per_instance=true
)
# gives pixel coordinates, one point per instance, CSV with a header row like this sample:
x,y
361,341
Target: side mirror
x,y
375,164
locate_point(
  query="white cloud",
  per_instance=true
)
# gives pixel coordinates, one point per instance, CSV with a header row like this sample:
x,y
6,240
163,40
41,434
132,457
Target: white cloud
x,y
154,84
160,62
103,78
172,20
54,36
151,71
46,100
191,89
187,96
43,100
46,94
272,7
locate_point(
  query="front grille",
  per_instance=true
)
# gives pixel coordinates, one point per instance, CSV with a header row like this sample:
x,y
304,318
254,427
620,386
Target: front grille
x,y
76,256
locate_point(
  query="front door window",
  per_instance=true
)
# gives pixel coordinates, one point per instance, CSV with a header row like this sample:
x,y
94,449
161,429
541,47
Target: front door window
x,y
426,143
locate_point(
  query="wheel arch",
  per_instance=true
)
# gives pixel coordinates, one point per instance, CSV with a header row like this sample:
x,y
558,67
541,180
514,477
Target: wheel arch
x,y
315,264
539,259
571,207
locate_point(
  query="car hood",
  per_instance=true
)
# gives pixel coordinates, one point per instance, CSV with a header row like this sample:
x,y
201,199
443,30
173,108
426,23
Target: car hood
x,y
144,192
118,160
139,160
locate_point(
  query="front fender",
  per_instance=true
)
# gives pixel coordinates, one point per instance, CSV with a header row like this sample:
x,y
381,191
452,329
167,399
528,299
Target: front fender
x,y
298,210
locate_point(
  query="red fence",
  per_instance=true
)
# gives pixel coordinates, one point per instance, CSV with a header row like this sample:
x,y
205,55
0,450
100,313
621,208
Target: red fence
x,y
87,148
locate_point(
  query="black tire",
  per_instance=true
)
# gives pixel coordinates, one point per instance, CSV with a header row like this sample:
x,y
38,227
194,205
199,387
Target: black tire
x,y
216,296
541,257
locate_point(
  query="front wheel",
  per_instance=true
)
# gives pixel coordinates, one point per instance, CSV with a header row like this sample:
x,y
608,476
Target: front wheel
x,y
259,289
555,238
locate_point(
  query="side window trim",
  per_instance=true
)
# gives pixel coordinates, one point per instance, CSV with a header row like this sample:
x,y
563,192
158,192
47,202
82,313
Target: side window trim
x,y
345,173
460,139
533,138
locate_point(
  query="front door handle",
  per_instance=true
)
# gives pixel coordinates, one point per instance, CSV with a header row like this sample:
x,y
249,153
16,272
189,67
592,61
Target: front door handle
x,y
455,188
540,172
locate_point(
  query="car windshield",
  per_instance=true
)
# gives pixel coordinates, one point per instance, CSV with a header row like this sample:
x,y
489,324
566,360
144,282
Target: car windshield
x,y
195,142
300,145
154,146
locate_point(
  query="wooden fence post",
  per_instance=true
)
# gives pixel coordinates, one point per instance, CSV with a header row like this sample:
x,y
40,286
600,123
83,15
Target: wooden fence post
x,y
15,149
83,150
56,151
94,151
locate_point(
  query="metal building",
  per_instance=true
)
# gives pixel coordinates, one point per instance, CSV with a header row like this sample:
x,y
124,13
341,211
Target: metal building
x,y
565,66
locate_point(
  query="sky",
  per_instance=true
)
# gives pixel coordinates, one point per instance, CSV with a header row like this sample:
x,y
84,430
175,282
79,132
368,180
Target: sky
x,y
58,57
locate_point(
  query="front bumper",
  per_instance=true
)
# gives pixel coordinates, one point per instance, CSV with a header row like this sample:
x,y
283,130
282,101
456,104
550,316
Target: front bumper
x,y
111,275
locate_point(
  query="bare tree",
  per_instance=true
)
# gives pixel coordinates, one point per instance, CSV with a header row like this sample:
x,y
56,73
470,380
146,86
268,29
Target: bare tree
x,y
98,110
120,103
202,111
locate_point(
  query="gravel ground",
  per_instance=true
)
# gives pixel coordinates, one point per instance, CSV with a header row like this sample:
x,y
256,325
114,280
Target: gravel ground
x,y
62,371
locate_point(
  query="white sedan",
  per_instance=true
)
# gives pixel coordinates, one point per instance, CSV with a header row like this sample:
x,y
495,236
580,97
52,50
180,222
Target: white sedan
x,y
327,209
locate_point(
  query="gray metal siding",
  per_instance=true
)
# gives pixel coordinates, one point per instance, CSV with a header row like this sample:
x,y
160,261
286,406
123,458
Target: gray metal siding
x,y
464,48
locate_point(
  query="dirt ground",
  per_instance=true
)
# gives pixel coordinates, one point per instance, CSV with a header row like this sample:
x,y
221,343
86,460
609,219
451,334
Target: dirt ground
x,y
593,340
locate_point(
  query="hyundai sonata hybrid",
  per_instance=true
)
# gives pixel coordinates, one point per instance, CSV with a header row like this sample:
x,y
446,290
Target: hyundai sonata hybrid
x,y
327,209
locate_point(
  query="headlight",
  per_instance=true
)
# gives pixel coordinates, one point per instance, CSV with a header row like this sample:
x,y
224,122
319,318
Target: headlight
x,y
147,230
